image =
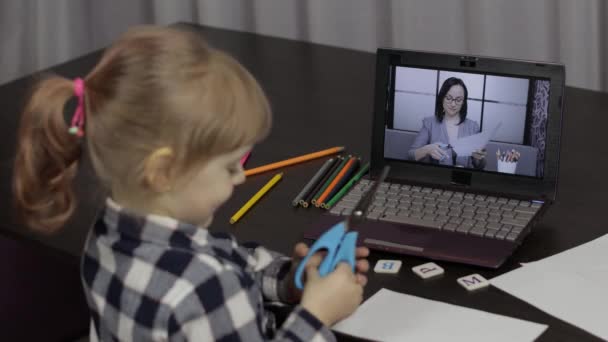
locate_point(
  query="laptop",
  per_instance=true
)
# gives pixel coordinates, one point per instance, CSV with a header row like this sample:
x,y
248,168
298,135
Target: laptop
x,y
473,147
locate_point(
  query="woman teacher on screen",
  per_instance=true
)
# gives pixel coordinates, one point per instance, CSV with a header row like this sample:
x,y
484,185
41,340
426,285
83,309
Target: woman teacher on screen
x,y
448,124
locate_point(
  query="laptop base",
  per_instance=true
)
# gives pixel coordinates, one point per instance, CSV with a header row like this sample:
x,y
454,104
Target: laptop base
x,y
425,242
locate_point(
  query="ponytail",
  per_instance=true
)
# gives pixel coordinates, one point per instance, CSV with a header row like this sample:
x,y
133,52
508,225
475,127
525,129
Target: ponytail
x,y
47,158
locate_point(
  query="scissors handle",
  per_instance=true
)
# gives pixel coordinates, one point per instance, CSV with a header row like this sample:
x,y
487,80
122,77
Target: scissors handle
x,y
339,246
346,252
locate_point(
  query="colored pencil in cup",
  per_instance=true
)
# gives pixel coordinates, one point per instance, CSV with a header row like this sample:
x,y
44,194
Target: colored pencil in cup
x,y
339,177
245,157
294,160
315,199
312,182
256,198
307,200
347,187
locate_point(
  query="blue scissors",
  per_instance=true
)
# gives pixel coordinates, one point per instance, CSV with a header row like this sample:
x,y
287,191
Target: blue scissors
x,y
338,241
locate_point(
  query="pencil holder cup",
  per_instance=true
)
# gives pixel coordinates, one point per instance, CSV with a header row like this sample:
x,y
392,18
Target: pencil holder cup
x,y
506,166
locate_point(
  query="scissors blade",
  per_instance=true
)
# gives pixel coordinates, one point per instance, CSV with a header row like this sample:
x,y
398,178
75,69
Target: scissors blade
x,y
364,203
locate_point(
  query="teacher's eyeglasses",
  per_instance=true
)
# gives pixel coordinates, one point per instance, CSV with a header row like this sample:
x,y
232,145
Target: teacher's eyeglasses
x,y
457,100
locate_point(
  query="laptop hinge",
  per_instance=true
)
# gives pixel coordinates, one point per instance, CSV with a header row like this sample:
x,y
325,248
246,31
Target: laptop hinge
x,y
461,178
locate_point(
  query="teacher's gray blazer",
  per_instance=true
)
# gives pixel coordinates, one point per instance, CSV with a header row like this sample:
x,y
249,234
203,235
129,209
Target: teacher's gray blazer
x,y
433,131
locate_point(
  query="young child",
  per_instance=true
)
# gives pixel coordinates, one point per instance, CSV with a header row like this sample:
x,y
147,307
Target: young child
x,y
165,120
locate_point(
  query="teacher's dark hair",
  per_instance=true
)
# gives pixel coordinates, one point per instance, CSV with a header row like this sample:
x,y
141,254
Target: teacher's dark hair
x,y
445,87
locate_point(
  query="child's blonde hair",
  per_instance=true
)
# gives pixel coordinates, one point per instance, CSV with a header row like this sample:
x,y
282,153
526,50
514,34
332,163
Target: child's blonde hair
x,y
154,87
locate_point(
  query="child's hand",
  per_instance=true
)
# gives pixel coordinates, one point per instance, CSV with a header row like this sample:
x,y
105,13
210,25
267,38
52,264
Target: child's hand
x,y
299,252
360,279
333,297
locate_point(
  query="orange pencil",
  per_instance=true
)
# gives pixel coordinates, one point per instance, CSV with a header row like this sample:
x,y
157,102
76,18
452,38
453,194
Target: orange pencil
x,y
294,160
331,186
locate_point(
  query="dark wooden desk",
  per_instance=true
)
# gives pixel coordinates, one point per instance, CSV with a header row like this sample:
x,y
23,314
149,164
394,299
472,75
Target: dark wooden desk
x,y
321,97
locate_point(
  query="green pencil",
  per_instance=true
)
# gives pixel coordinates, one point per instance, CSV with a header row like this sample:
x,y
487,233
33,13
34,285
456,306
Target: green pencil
x,y
347,187
329,180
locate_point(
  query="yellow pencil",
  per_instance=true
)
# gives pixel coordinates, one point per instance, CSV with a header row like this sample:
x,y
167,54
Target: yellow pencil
x,y
256,198
294,160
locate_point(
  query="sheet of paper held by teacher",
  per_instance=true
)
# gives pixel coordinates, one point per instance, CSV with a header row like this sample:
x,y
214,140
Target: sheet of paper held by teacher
x,y
464,147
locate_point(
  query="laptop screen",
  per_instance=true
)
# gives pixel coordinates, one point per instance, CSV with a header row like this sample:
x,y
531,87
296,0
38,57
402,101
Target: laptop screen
x,y
479,123
471,120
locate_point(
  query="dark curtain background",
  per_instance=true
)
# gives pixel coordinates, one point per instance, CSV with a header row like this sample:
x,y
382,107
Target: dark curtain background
x,y
538,129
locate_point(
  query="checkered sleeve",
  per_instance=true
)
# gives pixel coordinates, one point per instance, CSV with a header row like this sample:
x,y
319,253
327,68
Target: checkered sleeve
x,y
301,325
221,308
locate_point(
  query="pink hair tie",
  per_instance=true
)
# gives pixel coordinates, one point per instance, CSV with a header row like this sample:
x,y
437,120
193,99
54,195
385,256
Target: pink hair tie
x,y
77,126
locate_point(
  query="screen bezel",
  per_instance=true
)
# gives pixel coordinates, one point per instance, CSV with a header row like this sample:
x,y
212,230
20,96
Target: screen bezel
x,y
491,182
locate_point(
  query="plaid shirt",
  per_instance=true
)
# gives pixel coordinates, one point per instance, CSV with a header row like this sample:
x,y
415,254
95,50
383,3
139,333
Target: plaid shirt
x,y
155,278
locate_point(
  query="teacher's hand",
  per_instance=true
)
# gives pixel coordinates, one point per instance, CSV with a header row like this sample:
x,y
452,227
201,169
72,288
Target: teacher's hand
x,y
479,154
434,151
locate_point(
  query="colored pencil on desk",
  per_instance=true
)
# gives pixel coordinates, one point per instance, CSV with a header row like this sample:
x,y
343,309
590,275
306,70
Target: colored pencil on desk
x,y
347,176
256,198
347,187
315,199
245,157
294,160
308,198
352,169
312,182
339,177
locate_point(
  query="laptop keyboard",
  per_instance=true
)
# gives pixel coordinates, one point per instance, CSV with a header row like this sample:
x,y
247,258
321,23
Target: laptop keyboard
x,y
484,216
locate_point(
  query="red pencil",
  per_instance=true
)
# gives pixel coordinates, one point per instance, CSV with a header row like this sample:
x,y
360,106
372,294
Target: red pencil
x,y
245,157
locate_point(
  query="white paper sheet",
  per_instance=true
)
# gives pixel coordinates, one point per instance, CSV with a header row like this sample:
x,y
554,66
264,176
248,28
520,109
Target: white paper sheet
x,y
464,147
392,316
571,286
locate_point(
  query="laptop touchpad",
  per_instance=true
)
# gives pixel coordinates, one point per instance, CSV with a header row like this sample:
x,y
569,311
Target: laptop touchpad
x,y
388,234
377,233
